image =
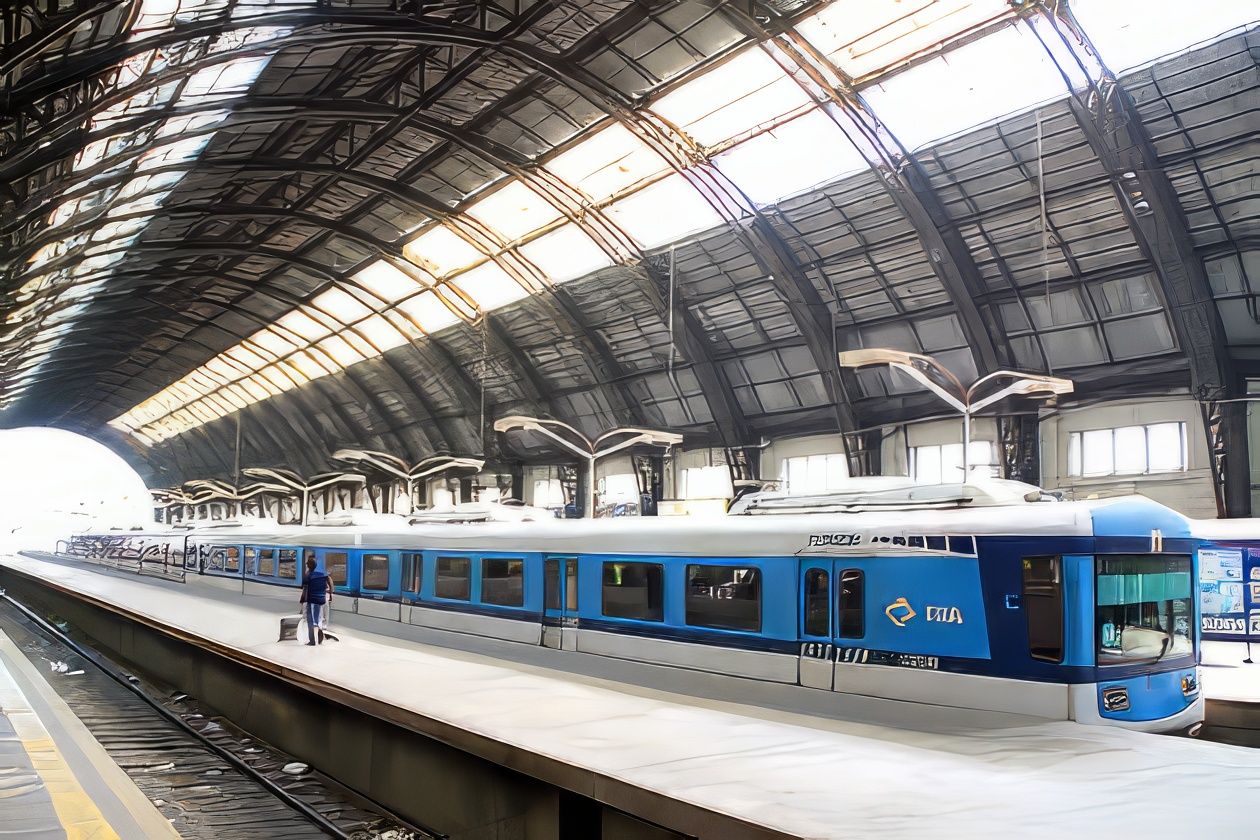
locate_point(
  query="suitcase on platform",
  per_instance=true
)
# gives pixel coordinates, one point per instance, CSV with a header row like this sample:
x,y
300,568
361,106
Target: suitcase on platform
x,y
288,627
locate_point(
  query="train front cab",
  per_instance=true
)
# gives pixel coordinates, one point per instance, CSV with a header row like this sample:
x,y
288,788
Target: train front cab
x,y
1139,611
1144,634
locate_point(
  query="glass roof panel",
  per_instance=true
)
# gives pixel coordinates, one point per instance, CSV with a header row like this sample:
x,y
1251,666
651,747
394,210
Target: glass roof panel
x,y
1129,33
514,210
387,282
961,89
339,305
428,312
300,323
441,251
490,286
382,334
667,210
737,95
565,253
607,162
864,36
789,158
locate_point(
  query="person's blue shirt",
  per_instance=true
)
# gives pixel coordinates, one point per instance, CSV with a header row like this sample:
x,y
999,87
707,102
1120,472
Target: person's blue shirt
x,y
316,584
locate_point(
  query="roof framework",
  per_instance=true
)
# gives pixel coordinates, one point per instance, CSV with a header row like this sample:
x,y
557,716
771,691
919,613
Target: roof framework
x,y
188,185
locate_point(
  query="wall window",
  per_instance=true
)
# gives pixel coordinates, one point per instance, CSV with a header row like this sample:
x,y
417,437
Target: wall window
x,y
1128,450
814,473
412,569
503,581
266,562
336,565
849,600
817,603
726,597
634,590
376,571
706,483
288,563
548,493
1043,607
454,578
943,464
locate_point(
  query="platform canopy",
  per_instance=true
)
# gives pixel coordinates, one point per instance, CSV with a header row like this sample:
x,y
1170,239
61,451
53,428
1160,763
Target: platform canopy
x,y
381,224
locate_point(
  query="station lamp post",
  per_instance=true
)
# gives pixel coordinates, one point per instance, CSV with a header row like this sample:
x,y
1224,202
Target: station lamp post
x,y
397,467
588,450
302,486
966,400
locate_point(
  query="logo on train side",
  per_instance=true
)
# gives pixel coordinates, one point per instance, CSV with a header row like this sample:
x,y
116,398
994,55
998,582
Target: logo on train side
x,y
904,611
899,612
945,615
839,540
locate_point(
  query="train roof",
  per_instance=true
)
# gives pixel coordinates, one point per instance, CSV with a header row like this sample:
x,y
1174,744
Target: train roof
x,y
784,533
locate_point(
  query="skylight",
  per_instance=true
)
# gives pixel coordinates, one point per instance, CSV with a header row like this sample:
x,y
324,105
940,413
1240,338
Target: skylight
x,y
1129,33
964,88
738,95
667,210
865,36
514,210
799,154
441,251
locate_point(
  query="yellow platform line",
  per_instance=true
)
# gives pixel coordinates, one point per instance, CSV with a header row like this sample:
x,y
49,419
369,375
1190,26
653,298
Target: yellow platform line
x,y
75,810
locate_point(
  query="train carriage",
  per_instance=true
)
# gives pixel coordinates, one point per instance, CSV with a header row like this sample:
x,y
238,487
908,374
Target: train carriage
x,y
991,598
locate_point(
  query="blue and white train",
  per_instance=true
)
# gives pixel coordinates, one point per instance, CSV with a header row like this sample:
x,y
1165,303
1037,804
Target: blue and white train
x,y
993,598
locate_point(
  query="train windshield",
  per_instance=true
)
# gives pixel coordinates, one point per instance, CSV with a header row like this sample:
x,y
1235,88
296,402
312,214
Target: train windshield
x,y
1145,609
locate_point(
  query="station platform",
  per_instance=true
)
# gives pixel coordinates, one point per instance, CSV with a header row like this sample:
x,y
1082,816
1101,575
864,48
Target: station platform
x,y
865,769
56,780
1231,687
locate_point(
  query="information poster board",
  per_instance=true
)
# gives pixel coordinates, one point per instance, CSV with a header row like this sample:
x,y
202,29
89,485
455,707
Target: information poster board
x,y
1229,593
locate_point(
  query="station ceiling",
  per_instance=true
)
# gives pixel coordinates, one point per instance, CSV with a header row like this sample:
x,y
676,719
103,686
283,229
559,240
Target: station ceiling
x,y
311,224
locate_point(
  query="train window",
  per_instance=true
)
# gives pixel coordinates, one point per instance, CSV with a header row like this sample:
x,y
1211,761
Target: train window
x,y
266,562
376,571
412,568
849,600
454,578
288,563
551,584
726,597
233,563
502,581
218,557
570,588
634,590
251,554
817,603
1145,609
335,563
1043,607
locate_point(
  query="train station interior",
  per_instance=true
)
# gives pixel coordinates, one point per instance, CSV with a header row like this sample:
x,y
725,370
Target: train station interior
x,y
629,419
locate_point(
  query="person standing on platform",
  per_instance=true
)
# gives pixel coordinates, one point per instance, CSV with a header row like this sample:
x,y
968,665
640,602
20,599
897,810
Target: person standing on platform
x,y
316,592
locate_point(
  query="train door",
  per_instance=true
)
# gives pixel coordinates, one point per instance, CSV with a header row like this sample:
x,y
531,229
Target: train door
x,y
560,602
817,623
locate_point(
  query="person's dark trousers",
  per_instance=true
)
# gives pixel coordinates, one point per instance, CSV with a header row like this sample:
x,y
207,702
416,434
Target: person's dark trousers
x,y
312,620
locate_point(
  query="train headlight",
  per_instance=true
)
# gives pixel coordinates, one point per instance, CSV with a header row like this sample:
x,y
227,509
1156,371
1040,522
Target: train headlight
x,y
1189,685
1115,699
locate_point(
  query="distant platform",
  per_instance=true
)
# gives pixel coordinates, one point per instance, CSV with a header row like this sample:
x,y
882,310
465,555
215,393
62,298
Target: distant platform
x,y
791,774
56,780
1231,688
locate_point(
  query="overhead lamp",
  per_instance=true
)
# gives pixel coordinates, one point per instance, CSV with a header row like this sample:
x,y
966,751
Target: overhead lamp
x,y
938,379
589,450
